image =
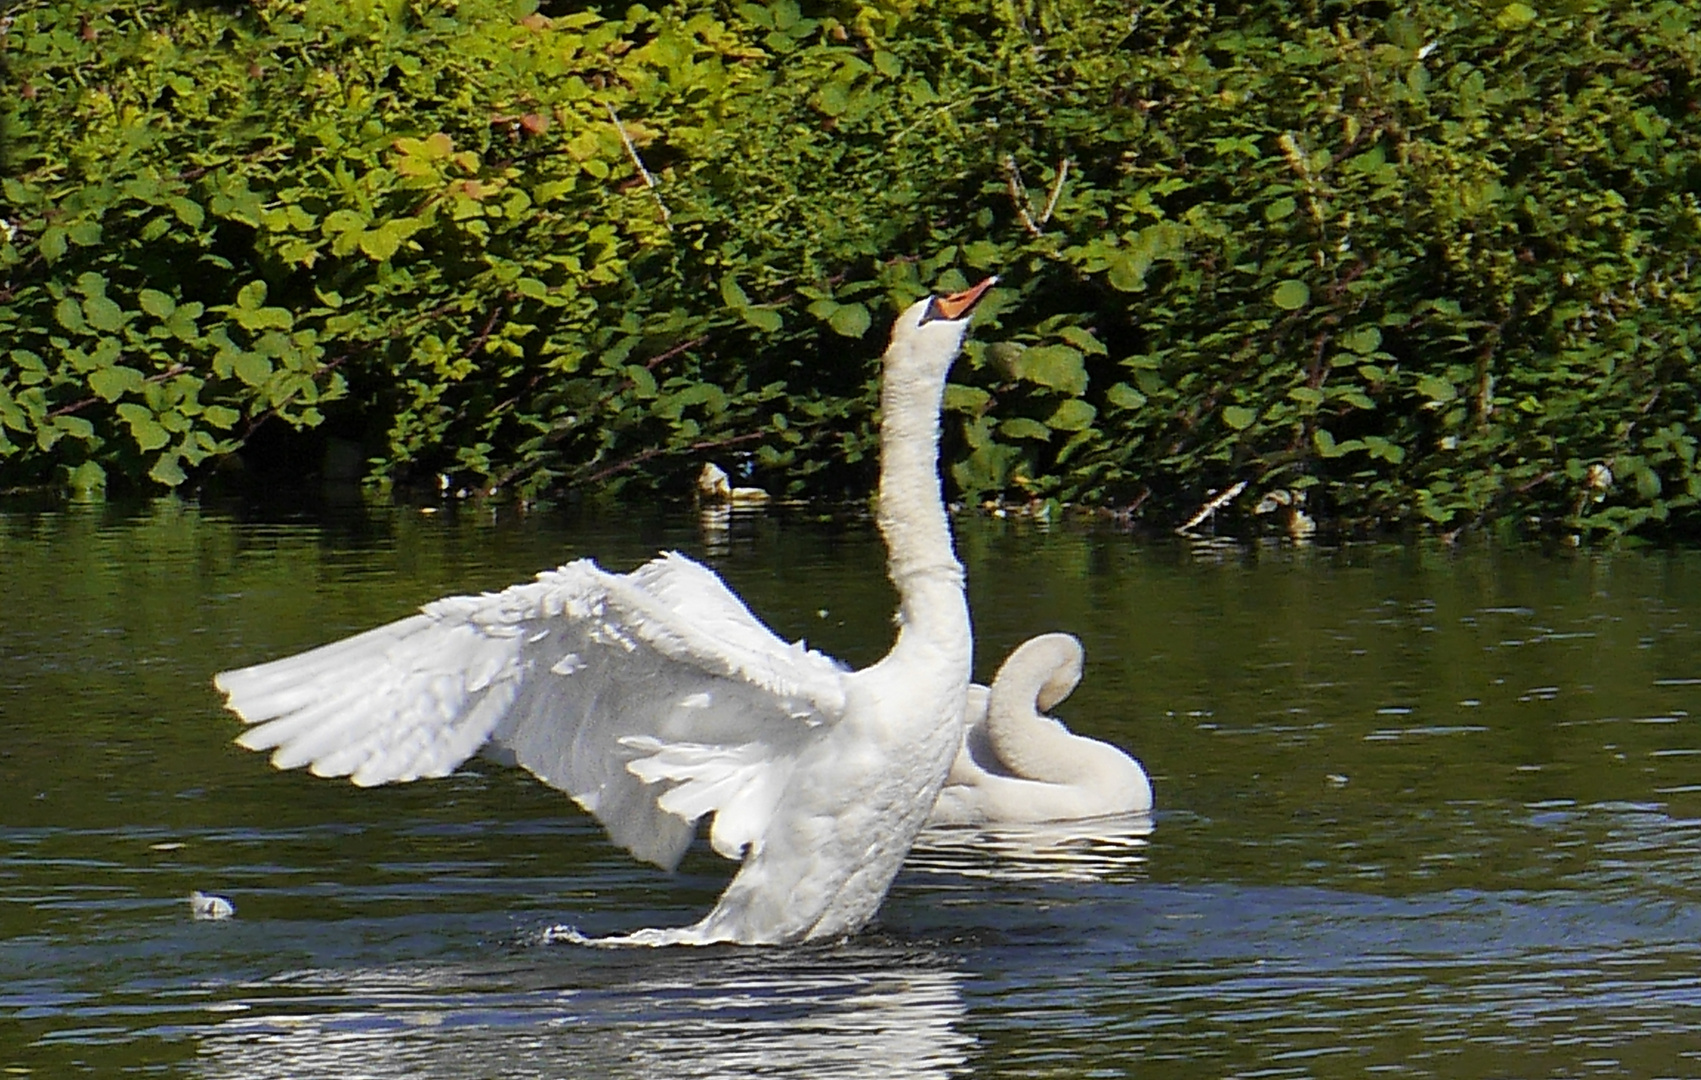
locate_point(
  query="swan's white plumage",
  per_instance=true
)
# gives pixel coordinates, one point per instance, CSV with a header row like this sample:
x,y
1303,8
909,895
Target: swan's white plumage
x,y
1017,765
641,669
655,698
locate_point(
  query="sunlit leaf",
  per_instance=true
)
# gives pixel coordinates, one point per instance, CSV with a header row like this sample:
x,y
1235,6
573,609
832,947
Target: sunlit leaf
x,y
1291,295
1021,427
850,320
168,471
1239,417
1072,415
1059,367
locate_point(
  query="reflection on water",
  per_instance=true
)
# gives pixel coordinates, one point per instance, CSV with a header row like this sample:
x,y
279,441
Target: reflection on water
x,y
1422,811
1097,849
851,1011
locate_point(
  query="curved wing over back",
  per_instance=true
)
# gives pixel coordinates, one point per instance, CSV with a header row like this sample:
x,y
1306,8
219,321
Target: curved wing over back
x,y
652,698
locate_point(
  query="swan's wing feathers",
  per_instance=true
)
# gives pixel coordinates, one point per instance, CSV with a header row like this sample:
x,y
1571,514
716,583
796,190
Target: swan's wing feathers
x,y
740,784
408,700
684,609
579,677
637,672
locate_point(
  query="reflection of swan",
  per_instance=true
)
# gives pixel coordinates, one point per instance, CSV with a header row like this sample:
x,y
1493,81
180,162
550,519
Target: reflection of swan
x,y
1018,765
655,698
848,1012
1091,849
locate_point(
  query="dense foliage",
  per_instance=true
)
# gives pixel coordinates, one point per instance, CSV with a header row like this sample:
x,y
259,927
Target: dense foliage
x,y
1419,263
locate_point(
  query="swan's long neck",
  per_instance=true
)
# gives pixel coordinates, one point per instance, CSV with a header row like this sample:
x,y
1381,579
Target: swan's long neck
x,y
911,515
1041,672
1036,747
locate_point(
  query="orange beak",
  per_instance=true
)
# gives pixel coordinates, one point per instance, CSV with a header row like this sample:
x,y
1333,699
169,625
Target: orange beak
x,y
957,305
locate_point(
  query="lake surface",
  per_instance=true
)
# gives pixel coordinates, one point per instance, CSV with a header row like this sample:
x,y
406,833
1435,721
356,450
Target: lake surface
x,y
1420,812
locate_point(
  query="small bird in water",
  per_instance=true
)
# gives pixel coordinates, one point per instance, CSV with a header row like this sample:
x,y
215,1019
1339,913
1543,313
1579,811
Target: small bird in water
x,y
207,906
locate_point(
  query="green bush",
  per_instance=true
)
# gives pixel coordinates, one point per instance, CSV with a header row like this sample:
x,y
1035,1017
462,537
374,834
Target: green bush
x,y
1417,264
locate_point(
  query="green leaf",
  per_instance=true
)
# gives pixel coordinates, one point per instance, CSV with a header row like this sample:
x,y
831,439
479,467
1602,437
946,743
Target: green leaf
x,y
766,320
342,221
167,471
70,315
966,399
1128,270
1239,417
1124,396
850,320
1072,415
252,368
381,243
1059,367
1281,208
1291,295
1515,17
87,482
251,296
1364,341
74,426
103,314
1439,390
1386,449
112,383
156,303
1021,427
1329,448
181,322
53,244
220,416
132,413
643,380
732,294
188,211
1647,481
149,434
1083,340
834,98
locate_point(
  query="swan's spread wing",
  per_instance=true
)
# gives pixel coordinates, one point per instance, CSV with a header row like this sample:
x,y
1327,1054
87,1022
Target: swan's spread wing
x,y
652,698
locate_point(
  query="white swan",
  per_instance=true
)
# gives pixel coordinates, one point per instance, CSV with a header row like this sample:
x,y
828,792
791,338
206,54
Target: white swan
x,y
1019,766
654,698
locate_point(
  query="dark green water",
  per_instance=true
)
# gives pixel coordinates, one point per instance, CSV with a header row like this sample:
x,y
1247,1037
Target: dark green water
x,y
1421,812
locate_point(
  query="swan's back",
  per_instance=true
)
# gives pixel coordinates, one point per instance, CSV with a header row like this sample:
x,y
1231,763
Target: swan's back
x,y
1020,766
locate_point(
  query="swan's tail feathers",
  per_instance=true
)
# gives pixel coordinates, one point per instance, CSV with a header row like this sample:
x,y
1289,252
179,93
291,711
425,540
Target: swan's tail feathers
x,y
411,699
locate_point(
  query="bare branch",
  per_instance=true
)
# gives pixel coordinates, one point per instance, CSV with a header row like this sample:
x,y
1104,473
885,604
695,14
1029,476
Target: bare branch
x,y
1216,501
78,406
649,177
1023,203
1019,195
1056,190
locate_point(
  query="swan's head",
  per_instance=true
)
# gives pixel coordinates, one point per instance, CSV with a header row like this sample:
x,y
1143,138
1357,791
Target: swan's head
x,y
1054,661
930,331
